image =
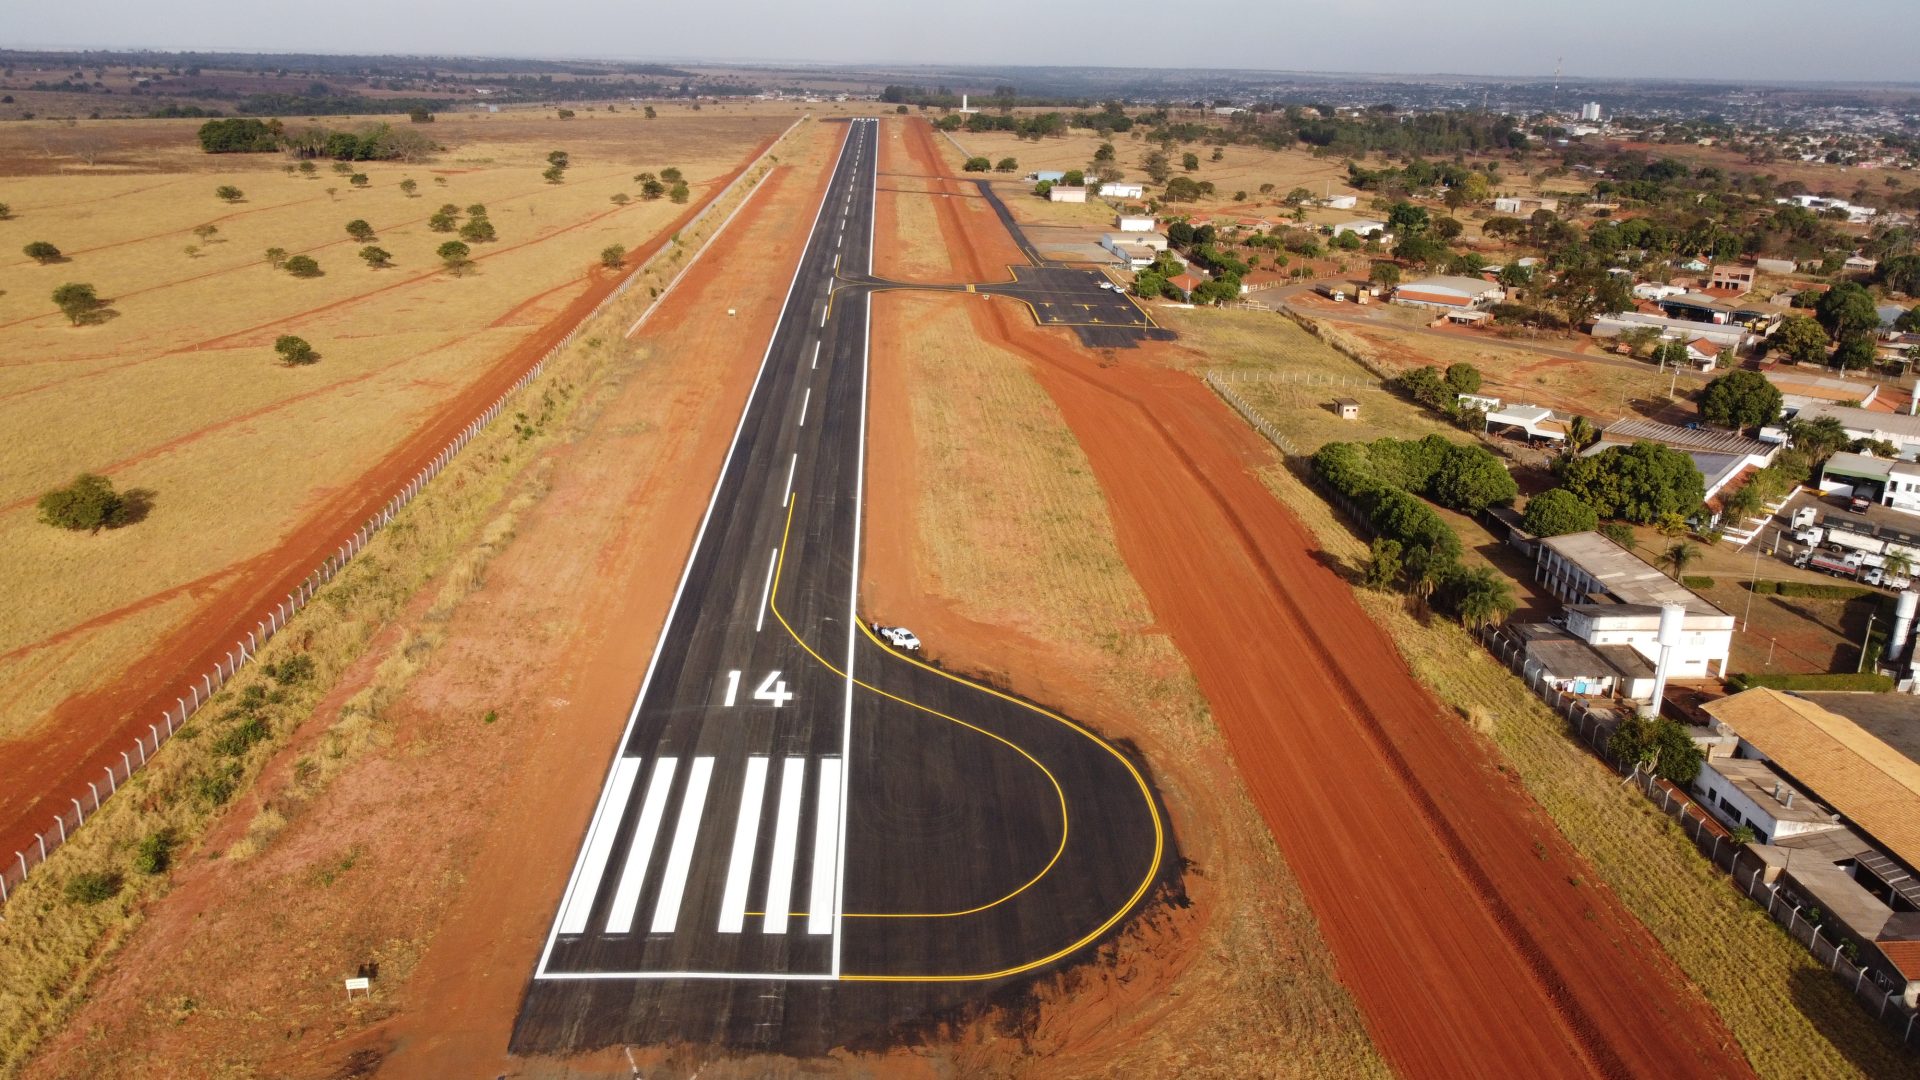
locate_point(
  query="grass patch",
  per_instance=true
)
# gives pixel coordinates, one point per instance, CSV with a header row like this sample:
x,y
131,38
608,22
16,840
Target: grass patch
x,y
1863,681
1757,978
1698,581
1812,590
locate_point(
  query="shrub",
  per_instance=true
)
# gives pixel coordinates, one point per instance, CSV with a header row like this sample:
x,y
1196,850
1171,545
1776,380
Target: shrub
x,y
276,257
155,852
1847,681
302,266
42,252
88,504
294,351
359,180
1620,533
1813,590
1697,581
93,886
228,193
216,786
239,738
409,186
442,221
613,256
680,192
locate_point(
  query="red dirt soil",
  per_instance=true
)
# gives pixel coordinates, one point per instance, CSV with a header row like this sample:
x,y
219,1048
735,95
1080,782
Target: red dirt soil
x,y
1474,939
77,740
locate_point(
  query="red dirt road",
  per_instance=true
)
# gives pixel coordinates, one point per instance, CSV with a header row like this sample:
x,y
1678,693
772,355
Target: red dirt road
x,y
1475,940
78,739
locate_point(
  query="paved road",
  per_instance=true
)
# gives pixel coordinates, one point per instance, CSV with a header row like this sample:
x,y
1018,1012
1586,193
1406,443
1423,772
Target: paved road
x,y
805,838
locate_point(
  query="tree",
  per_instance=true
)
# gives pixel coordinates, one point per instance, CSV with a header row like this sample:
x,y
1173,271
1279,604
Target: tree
x,y
1556,512
42,252
558,159
1463,378
1679,556
1856,353
1157,168
564,114
78,302
409,186
377,258
1479,595
359,180
651,188
478,230
1740,399
620,198
1006,165
1405,219
1819,438
977,164
308,169
671,174
1469,480
554,174
6,212
455,255
650,113
1190,162
613,256
228,193
206,233
1658,744
680,192
360,230
89,504
1801,338
1384,564
1847,309
1639,483
478,210
302,266
419,115
294,351
1384,273
276,257
1581,434
1670,353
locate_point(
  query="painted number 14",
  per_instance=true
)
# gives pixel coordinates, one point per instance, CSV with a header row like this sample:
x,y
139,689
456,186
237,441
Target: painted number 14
x,y
772,690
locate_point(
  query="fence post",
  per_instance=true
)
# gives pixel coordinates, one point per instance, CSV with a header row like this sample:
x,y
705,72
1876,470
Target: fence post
x,y
78,814
112,784
22,856
61,821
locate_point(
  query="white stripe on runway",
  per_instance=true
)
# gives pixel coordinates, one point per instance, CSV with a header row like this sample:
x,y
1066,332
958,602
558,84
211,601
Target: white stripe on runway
x,y
653,806
766,591
804,402
680,859
786,833
599,845
816,353
788,497
826,845
746,834
823,317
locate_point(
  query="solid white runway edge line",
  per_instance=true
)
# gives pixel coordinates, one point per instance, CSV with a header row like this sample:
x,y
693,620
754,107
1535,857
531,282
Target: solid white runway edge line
x,y
826,847
786,835
766,591
804,402
666,914
653,807
746,834
599,845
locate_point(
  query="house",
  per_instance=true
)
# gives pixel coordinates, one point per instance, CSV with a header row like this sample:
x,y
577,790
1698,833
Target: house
x,y
1340,202
1653,290
1775,266
1361,227
1572,666
1721,456
1128,248
1445,291
1889,483
1346,408
1691,265
1903,431
1185,283
1748,792
1535,421
1798,389
1130,223
1704,355
1697,307
1613,598
1613,324
1047,176
1524,206
1066,193
1113,190
1483,402
1737,279
1154,240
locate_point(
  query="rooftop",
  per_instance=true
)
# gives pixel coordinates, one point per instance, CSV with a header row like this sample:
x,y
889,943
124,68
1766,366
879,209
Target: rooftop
x,y
1870,783
1466,286
1757,781
1822,387
1628,580
1702,440
1906,427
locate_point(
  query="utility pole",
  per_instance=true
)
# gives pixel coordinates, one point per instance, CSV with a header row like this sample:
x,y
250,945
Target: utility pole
x,y
1865,640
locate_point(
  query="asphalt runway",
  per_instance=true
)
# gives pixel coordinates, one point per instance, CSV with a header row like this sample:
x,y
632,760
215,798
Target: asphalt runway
x,y
807,839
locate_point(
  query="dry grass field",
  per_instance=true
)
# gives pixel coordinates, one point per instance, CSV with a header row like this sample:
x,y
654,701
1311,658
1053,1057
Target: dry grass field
x,y
179,391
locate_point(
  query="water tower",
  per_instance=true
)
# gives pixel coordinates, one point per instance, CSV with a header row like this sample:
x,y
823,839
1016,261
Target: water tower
x,y
1672,618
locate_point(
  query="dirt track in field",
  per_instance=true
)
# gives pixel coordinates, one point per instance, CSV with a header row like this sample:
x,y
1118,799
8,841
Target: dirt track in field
x,y
76,741
1475,940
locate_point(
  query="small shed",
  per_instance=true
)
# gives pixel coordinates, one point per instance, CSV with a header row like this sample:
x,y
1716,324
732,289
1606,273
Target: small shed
x,y
1346,408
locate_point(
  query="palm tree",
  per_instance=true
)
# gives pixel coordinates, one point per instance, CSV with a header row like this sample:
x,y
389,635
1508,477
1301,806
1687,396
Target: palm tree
x,y
1898,564
1680,556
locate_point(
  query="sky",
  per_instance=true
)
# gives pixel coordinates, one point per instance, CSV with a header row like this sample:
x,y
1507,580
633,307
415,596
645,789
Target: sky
x,y
1754,40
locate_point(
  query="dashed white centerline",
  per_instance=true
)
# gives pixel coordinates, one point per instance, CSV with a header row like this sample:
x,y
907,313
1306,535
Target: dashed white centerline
x,y
666,914
767,590
788,497
803,406
816,354
823,317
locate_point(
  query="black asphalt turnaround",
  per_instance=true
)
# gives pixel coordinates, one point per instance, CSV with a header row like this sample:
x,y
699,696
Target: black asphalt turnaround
x,y
807,839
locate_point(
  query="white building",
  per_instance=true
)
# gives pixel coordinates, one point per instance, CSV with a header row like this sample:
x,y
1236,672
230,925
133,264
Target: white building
x,y
1613,598
1122,191
1746,791
1889,483
1728,336
1066,193
1524,205
1721,456
1903,431
1138,249
1590,111
1340,202
1361,227
1129,223
1445,291
1653,290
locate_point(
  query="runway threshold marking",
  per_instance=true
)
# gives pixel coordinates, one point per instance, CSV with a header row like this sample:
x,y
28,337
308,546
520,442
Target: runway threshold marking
x,y
673,888
786,835
653,806
746,833
599,847
826,844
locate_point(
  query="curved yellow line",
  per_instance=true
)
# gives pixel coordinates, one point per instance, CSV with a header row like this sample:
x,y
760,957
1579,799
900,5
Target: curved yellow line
x,y
1146,793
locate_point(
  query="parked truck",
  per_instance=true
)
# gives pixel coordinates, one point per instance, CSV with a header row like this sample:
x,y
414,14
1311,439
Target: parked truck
x,y
1846,566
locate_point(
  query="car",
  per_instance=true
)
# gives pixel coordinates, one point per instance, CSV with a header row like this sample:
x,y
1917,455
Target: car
x,y
1859,504
897,636
1106,285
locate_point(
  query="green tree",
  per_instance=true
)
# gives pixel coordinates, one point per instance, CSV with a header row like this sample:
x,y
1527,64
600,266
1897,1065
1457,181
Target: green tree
x,y
1819,438
1581,434
1074,178
477,230
1190,162
1469,480
1659,745
89,504
1639,483
360,230
650,113
302,266
1556,512
228,193
294,351
651,188
1006,165
1679,556
1384,564
679,192
1856,353
1479,595
456,256
977,164
206,233
620,198
613,256
1157,168
42,252
1803,339
1740,399
276,257
1103,152
409,186
554,174
377,258
478,210
1463,378
309,170
558,159
1847,309
1384,273
1405,219
78,302
671,175
1670,354
359,180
